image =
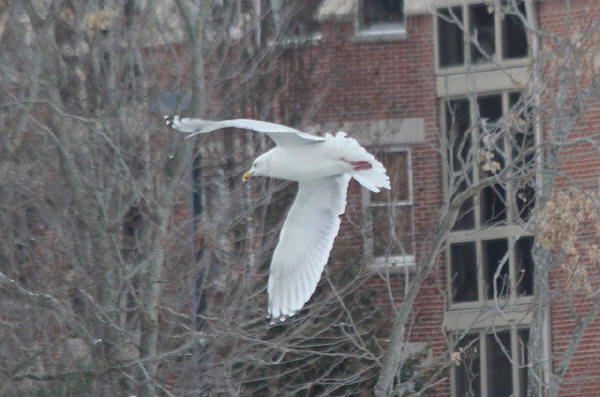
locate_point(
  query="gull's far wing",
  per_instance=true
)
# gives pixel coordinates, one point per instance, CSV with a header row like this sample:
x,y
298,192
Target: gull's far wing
x,y
304,243
281,134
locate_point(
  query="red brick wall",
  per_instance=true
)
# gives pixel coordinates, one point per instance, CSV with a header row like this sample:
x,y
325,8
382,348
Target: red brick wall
x,y
579,166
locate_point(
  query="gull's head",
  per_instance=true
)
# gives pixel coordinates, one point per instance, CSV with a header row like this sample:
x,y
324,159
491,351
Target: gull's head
x,y
259,167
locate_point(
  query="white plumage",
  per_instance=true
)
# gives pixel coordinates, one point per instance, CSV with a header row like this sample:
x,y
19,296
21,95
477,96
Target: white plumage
x,y
323,167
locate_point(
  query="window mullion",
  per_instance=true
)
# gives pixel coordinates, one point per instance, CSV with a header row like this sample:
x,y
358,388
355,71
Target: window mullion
x,y
476,200
498,31
480,276
467,35
512,266
514,336
483,359
474,112
512,215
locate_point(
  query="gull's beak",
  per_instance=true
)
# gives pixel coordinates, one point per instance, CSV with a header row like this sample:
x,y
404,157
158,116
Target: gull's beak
x,y
246,176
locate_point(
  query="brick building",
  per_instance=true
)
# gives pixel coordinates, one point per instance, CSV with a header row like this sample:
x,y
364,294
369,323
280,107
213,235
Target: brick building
x,y
405,78
477,115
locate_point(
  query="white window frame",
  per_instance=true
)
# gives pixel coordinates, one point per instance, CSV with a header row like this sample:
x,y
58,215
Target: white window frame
x,y
468,67
381,31
399,261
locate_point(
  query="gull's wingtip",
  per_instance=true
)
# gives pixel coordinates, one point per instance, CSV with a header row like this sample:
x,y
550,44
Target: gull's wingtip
x,y
280,319
174,121
170,119
278,315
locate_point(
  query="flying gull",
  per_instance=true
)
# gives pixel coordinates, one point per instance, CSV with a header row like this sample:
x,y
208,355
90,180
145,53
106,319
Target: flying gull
x,y
322,166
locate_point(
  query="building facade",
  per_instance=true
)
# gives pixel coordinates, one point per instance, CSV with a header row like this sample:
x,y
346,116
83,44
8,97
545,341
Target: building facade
x,y
459,95
123,273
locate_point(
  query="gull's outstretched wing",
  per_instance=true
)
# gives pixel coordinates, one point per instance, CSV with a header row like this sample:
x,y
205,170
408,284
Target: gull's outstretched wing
x,y
304,243
281,134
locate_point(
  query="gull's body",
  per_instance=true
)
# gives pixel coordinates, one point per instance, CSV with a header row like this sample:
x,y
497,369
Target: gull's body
x,y
318,162
322,166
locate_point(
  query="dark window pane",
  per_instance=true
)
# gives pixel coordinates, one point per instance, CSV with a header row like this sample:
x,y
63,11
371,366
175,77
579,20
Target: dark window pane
x,y
482,29
459,140
392,230
459,147
514,38
464,272
493,205
490,111
490,107
522,342
381,12
493,253
493,198
522,141
450,37
499,368
513,98
525,199
467,371
524,266
458,121
466,215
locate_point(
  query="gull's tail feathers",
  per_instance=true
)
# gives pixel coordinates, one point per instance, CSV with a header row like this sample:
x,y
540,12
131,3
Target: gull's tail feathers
x,y
365,168
373,179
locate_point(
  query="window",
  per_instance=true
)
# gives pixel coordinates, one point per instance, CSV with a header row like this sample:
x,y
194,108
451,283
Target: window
x,y
464,272
292,22
381,16
493,32
491,365
458,122
389,213
473,267
478,120
450,37
490,262
303,23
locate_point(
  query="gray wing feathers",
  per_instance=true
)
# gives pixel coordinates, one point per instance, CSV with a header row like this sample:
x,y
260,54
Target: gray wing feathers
x,y
281,134
304,243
